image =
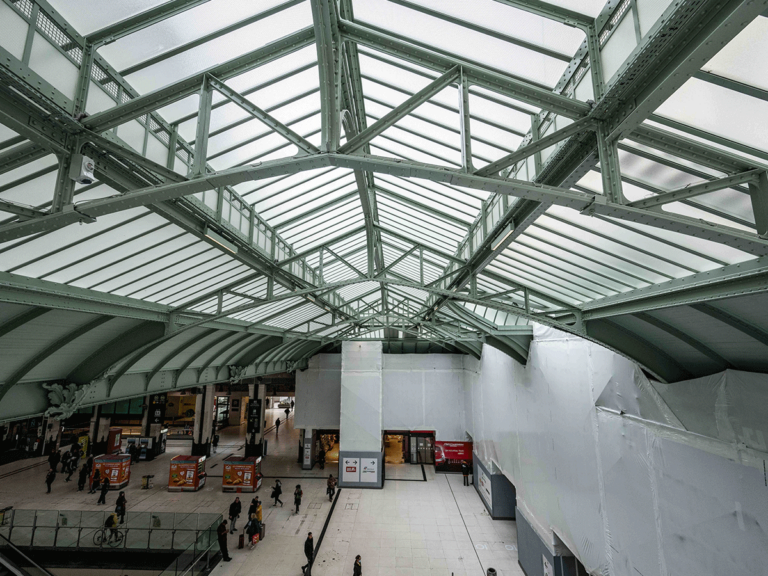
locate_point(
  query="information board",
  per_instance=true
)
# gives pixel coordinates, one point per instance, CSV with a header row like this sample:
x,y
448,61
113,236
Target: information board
x,y
350,471
369,469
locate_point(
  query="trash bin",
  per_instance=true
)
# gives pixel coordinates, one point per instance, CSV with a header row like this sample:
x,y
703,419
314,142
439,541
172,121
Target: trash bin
x,y
146,481
491,572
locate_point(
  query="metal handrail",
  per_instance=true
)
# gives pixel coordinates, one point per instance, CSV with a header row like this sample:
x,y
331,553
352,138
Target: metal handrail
x,y
88,531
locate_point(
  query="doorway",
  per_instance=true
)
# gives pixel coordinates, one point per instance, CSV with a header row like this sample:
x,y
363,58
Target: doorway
x,y
395,448
422,448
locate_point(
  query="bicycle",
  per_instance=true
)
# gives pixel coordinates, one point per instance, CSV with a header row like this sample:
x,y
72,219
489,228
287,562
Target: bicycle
x,y
108,537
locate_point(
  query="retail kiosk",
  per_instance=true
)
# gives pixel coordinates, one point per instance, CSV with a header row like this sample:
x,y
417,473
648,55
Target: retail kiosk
x,y
116,467
241,474
187,474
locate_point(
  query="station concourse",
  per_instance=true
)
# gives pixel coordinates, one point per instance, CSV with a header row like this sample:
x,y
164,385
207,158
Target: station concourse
x,y
493,271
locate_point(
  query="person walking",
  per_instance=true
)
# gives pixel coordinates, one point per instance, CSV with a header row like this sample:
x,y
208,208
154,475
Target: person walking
x,y
297,494
49,478
71,467
258,511
53,460
89,464
465,472
221,532
104,490
331,490
277,426
309,552
120,506
292,404
95,482
252,507
82,479
234,513
276,491
215,443
287,413
358,568
65,463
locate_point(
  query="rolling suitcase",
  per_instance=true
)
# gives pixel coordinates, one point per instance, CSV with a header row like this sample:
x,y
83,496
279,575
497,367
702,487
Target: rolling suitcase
x,y
261,532
241,541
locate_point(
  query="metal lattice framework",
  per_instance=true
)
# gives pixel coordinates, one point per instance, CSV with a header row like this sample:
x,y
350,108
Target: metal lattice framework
x,y
273,180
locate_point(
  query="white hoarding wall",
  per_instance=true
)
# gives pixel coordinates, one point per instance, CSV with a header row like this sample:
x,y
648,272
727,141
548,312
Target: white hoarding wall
x,y
318,393
361,384
634,476
424,392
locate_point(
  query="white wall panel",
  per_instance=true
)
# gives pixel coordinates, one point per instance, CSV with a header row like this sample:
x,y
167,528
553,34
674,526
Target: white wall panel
x,y
13,31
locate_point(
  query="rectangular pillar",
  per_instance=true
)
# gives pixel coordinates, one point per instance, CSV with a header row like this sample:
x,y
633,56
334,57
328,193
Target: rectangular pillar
x,y
254,445
203,432
361,457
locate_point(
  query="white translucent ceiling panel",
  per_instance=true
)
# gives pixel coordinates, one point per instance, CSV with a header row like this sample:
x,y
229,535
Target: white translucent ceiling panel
x,y
222,49
461,41
743,58
87,16
512,22
589,7
720,111
180,29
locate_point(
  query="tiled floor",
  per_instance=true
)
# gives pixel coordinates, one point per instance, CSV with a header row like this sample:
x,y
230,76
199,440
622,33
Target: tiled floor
x,y
409,528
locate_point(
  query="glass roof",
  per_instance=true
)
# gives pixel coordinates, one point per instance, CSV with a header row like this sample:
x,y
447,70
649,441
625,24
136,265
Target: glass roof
x,y
393,182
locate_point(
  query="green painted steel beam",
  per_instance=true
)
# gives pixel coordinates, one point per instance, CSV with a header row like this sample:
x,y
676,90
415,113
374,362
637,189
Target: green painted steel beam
x,y
26,212
328,53
697,189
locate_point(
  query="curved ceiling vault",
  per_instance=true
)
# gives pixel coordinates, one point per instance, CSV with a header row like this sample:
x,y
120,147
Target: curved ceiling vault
x,y
273,179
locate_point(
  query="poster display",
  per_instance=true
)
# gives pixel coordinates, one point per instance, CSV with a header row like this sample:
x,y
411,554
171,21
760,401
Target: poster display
x,y
484,487
187,474
241,474
350,471
450,455
369,469
116,467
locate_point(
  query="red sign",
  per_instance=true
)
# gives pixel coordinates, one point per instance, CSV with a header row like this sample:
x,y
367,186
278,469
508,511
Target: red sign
x,y
116,467
241,474
450,455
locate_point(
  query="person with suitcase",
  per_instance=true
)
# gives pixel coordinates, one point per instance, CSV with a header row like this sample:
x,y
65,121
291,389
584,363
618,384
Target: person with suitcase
x,y
253,530
234,513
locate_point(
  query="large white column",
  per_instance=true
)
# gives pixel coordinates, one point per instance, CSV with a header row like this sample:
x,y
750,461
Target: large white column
x,y
360,448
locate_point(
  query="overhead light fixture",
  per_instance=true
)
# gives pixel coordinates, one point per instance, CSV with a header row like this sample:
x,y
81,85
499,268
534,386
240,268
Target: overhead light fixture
x,y
503,235
220,240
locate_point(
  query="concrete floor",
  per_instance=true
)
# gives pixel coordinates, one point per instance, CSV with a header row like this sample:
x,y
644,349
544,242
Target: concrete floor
x,y
409,528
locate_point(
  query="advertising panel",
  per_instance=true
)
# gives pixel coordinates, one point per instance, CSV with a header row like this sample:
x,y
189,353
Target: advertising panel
x,y
117,468
350,471
241,474
484,487
450,455
187,473
369,470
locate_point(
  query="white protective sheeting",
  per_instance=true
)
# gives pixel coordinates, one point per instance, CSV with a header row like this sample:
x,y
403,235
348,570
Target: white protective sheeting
x,y
361,383
318,393
424,392
635,477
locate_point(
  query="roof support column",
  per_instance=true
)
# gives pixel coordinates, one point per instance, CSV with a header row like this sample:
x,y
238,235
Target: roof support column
x,y
758,191
327,64
466,134
608,152
203,127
